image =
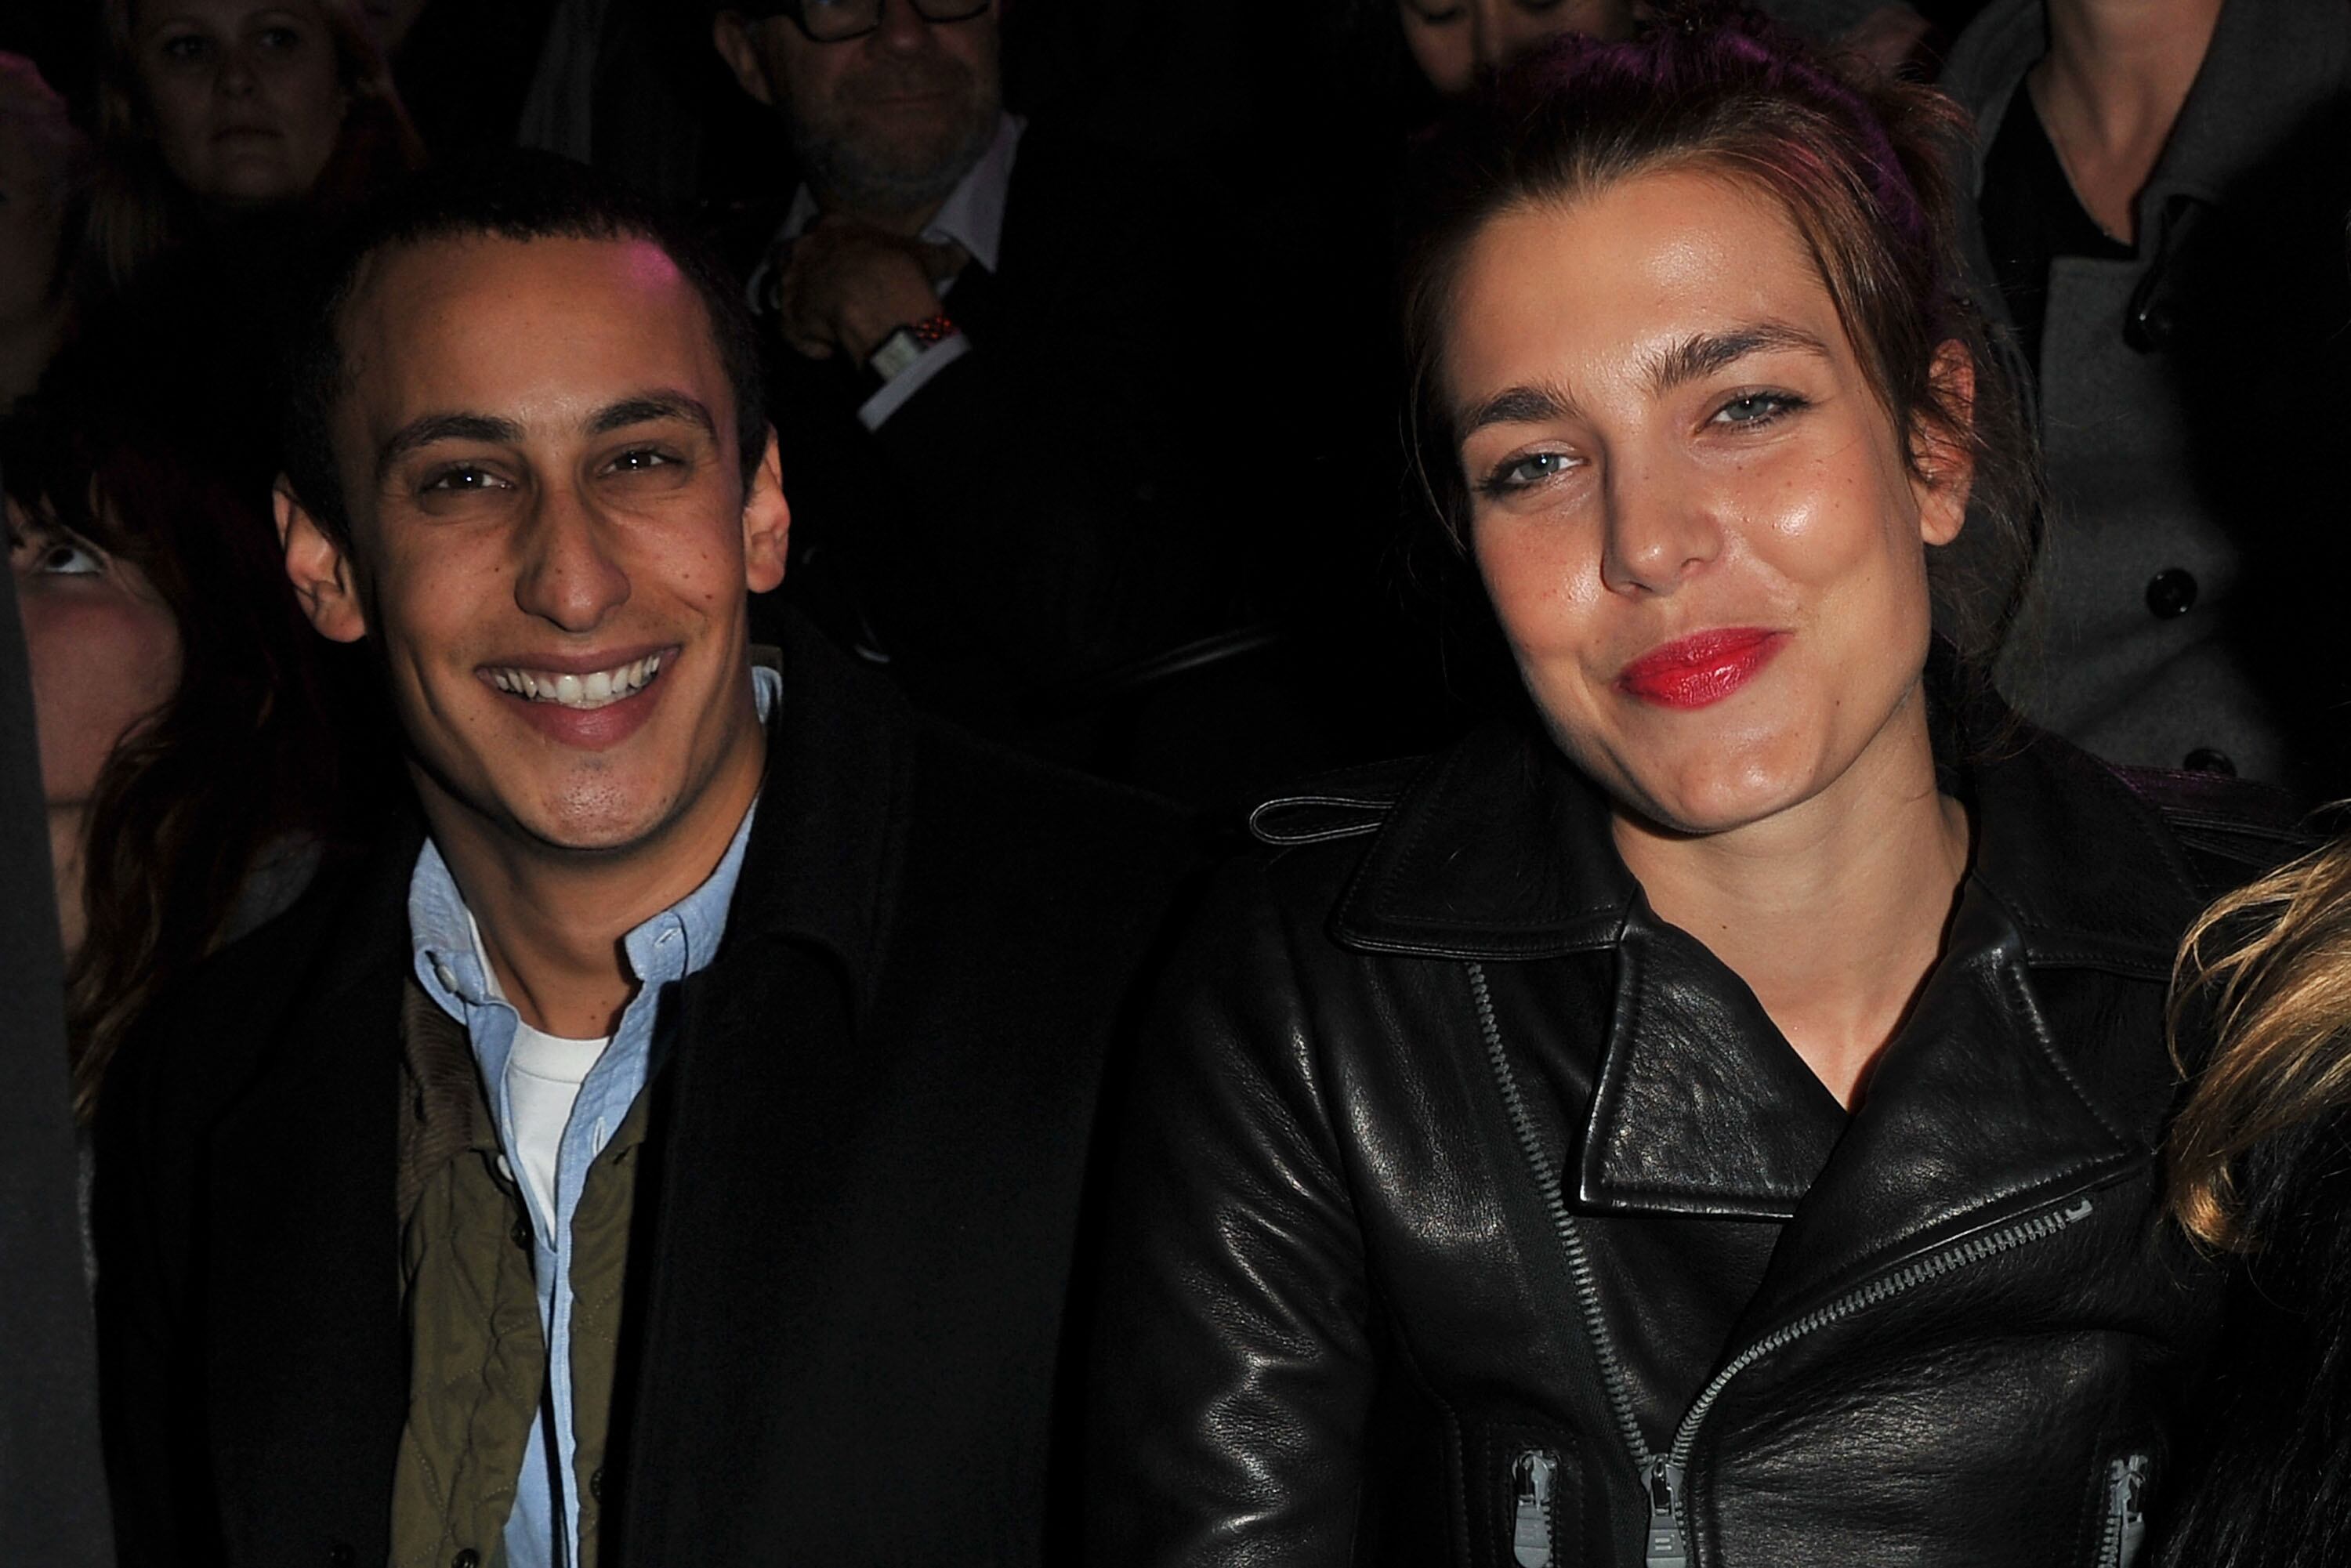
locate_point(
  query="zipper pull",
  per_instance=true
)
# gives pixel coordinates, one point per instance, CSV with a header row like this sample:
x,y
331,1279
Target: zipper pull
x,y
1664,1548
1532,1481
2127,1506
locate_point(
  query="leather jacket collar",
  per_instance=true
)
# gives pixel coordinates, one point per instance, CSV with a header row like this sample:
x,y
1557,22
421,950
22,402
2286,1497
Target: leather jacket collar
x,y
1697,1105
1458,870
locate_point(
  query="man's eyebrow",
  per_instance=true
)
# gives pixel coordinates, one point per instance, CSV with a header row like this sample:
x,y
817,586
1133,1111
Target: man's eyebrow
x,y
1708,353
1515,405
648,408
422,433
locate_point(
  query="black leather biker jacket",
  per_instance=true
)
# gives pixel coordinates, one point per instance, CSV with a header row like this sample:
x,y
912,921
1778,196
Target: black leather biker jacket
x,y
1469,1213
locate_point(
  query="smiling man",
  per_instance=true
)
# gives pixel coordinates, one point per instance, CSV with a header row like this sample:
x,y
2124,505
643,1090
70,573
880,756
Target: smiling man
x,y
667,1147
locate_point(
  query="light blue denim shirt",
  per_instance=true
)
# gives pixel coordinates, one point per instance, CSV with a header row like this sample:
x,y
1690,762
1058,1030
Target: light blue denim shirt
x,y
668,947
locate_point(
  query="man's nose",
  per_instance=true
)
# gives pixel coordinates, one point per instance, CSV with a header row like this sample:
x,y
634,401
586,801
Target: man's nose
x,y
902,29
569,576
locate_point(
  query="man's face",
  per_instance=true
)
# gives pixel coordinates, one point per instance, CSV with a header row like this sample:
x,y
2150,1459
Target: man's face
x,y
550,540
887,122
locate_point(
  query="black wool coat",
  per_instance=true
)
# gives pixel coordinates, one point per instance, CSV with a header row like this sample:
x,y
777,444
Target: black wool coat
x,y
855,1230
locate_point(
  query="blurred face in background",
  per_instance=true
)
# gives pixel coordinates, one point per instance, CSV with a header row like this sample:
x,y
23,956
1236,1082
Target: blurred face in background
x,y
888,120
1453,40
104,647
245,97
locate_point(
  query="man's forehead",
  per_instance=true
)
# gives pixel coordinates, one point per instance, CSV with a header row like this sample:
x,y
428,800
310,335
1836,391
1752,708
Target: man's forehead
x,y
486,316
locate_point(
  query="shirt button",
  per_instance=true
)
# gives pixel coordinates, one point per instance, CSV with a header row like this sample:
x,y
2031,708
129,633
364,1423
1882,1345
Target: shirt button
x,y
468,1558
596,1483
667,938
2171,593
2205,759
521,1233
338,1554
447,976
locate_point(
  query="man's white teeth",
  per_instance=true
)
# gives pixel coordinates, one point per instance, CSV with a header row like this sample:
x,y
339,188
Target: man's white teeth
x,y
588,691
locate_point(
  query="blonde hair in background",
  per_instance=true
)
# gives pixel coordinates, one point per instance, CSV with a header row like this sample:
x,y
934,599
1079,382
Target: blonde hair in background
x,y
2273,963
136,211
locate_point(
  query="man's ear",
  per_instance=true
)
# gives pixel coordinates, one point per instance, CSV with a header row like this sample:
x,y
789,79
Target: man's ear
x,y
1943,464
320,568
767,522
730,34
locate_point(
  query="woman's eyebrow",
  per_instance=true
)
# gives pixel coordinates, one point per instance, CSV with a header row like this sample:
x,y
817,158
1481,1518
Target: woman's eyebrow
x,y
1706,354
1525,404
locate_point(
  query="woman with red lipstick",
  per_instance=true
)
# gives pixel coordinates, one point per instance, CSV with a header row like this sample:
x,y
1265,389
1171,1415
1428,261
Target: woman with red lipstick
x,y
1712,1121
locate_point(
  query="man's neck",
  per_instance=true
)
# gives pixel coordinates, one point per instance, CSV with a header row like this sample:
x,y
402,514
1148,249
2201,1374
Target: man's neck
x,y
553,921
1833,911
907,223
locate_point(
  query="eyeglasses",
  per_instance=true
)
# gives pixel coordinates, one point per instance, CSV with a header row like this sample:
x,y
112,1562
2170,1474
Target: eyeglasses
x,y
838,21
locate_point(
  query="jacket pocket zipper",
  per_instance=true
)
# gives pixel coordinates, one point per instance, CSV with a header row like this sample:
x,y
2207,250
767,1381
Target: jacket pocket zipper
x,y
1665,1543
2126,1532
1534,1479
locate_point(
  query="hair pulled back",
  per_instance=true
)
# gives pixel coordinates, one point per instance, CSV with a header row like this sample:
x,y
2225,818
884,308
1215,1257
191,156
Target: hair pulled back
x,y
1861,163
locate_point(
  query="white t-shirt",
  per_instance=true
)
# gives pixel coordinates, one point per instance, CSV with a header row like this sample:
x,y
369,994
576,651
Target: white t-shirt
x,y
544,1072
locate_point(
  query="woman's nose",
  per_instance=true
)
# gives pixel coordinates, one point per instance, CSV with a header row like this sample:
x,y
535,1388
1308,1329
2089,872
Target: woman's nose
x,y
1661,526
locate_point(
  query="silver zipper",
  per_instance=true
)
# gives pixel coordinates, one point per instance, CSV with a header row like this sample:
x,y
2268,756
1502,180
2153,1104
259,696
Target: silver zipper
x,y
2125,1530
1534,1482
1666,1542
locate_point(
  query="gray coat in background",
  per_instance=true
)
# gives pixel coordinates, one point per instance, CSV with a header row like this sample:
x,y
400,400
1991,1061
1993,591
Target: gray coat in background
x,y
52,1498
2188,609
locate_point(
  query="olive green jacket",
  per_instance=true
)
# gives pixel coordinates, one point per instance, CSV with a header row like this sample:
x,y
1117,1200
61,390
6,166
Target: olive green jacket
x,y
478,1363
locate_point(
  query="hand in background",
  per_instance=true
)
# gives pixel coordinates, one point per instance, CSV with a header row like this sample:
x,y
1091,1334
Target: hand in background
x,y
844,285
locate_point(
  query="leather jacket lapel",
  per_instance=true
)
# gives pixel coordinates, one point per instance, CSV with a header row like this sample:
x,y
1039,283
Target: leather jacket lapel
x,y
1972,1116
1700,1106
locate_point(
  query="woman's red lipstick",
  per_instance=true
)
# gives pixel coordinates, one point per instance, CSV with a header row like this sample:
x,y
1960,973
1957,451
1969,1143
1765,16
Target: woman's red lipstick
x,y
1698,670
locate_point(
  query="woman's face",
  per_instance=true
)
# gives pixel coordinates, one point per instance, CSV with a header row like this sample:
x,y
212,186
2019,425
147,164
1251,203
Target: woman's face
x,y
246,96
104,650
1694,517
1452,40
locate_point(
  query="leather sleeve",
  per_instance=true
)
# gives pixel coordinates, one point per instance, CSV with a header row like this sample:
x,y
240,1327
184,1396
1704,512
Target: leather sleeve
x,y
1232,1367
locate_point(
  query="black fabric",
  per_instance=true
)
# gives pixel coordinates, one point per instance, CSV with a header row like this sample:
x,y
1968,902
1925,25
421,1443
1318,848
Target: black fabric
x,y
1341,1318
855,1234
52,1499
2030,216
1040,540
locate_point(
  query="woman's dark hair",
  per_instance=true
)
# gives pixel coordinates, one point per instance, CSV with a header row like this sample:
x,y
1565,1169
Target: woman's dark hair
x,y
239,763
1861,163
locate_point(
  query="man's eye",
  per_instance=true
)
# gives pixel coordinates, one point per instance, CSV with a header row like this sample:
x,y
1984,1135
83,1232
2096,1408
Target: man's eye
x,y
448,480
638,459
1432,14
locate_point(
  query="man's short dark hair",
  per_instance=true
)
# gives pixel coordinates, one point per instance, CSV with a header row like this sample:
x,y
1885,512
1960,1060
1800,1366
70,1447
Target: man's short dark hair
x,y
519,196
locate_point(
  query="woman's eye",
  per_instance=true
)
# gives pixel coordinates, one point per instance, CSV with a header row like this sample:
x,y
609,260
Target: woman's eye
x,y
280,40
1525,472
1757,408
1432,14
66,558
184,48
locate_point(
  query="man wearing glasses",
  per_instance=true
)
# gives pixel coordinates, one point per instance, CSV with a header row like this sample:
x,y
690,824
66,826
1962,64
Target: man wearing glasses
x,y
1003,379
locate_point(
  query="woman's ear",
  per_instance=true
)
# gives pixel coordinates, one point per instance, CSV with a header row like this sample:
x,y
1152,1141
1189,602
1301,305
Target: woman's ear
x,y
1942,462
